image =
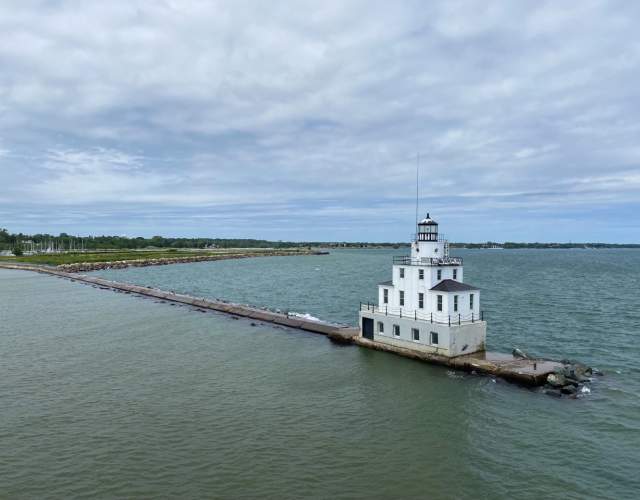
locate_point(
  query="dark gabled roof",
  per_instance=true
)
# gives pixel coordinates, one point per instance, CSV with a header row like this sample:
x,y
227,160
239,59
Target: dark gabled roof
x,y
386,283
452,286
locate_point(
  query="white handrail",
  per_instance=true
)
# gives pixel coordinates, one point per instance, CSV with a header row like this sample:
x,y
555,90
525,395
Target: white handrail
x,y
440,318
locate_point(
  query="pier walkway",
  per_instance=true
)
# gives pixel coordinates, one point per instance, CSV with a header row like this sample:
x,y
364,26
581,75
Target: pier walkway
x,y
531,372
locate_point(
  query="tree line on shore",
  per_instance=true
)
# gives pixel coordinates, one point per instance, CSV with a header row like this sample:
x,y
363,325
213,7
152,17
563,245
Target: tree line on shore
x,y
64,241
22,242
19,242
514,245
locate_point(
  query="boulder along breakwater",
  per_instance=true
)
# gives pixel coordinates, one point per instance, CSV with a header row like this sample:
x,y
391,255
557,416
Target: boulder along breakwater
x,y
559,378
79,267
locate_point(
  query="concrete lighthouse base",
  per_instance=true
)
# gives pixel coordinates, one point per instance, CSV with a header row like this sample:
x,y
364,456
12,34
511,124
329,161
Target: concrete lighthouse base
x,y
424,336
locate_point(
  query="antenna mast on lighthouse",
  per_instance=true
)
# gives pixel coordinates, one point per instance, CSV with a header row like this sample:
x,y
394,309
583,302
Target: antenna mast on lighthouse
x,y
417,177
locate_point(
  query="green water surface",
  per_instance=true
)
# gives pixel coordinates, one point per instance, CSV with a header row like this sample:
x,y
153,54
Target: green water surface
x,y
108,395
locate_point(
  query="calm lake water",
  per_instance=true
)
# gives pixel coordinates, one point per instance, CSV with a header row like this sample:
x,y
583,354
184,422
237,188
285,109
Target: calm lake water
x,y
103,394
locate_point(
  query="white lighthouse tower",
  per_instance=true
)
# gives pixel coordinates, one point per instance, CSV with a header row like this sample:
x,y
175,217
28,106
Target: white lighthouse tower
x,y
426,306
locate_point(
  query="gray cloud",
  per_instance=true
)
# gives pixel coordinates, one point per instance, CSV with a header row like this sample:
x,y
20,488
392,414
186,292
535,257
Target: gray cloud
x,y
302,120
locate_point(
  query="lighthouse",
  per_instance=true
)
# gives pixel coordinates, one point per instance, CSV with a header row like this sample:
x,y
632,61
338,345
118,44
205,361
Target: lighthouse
x,y
426,306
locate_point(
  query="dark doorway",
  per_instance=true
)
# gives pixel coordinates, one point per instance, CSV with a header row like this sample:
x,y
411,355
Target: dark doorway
x,y
367,328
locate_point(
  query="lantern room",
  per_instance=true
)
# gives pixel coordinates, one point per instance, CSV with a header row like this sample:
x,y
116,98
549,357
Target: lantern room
x,y
427,229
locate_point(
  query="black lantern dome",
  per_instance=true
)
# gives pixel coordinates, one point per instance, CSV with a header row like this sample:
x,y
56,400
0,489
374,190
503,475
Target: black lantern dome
x,y
427,229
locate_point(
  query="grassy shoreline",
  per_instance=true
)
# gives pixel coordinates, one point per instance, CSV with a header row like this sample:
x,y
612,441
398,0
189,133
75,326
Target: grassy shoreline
x,y
138,255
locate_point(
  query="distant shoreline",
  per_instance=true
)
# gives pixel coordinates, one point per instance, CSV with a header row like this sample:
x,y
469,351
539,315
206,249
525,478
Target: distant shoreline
x,y
66,243
490,246
545,246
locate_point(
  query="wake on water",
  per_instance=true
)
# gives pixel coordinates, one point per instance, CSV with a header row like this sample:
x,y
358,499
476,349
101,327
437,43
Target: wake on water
x,y
306,316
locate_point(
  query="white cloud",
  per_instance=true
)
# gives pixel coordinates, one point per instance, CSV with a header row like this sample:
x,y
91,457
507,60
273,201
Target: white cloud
x,y
317,108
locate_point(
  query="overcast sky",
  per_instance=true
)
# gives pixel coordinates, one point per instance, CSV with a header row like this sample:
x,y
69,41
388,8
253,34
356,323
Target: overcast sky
x,y
302,120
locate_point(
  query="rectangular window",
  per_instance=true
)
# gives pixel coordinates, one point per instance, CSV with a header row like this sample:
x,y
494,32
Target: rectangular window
x,y
439,302
455,303
385,295
455,274
439,274
401,298
471,301
420,274
415,334
396,330
380,327
402,272
421,301
434,338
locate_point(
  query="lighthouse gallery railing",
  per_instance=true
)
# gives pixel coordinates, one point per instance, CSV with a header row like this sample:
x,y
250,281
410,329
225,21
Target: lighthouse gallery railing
x,y
427,261
442,319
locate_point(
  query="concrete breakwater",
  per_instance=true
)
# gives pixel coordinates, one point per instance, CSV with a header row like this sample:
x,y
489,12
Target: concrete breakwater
x,y
79,267
197,302
560,377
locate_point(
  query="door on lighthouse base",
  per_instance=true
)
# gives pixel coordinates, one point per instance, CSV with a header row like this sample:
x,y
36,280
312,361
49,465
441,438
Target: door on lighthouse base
x,y
367,328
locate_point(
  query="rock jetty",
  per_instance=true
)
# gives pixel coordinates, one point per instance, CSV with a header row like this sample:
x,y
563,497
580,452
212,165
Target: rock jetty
x,y
78,267
570,379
